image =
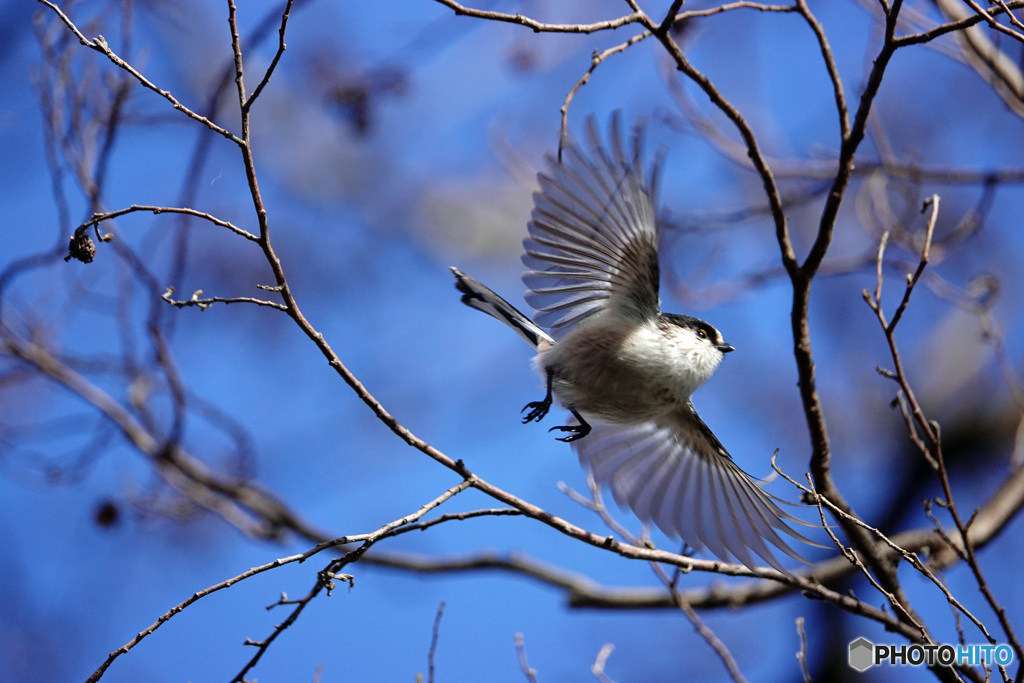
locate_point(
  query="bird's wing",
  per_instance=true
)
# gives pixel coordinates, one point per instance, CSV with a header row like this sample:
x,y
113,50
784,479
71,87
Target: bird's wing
x,y
674,472
593,243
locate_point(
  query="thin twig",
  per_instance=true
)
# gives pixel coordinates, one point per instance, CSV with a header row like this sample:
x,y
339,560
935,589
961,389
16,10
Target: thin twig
x,y
914,560
203,304
595,61
926,249
274,62
705,632
801,654
897,604
524,666
932,447
958,25
99,44
830,65
98,218
1013,19
537,26
177,609
991,21
434,633
597,668
329,574
366,540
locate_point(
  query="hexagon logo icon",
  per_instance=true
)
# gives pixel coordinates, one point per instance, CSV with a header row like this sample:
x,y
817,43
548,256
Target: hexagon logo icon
x,y
861,654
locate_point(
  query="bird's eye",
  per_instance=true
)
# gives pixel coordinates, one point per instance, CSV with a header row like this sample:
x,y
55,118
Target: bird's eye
x,y
702,334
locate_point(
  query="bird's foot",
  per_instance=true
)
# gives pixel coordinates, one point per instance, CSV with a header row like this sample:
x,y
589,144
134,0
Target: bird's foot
x,y
538,409
576,432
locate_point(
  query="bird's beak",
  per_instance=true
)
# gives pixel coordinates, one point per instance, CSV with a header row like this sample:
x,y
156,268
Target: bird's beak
x,y
725,348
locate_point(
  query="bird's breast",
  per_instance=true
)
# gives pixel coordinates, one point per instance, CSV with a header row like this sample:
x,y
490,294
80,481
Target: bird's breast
x,y
618,371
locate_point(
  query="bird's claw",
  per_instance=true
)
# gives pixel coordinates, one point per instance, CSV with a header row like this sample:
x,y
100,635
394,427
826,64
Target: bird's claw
x,y
538,409
576,432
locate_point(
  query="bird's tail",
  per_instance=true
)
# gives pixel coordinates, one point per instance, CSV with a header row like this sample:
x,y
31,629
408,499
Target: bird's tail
x,y
475,295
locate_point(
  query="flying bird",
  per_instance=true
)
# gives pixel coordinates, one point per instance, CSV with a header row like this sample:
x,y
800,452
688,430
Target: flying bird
x,y
622,368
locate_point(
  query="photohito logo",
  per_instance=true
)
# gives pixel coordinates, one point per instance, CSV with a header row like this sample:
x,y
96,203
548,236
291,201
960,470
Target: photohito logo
x,y
864,654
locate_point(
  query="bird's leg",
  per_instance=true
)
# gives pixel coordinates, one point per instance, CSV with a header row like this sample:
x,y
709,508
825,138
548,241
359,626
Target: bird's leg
x,y
538,409
575,431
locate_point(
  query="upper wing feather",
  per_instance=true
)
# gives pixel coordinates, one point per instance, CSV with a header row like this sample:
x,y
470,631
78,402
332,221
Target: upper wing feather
x,y
674,472
593,243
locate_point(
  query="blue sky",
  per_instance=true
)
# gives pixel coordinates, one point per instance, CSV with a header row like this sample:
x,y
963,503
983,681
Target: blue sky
x,y
460,114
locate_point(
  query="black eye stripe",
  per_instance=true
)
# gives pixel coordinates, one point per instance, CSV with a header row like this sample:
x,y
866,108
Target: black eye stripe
x,y
705,331
700,328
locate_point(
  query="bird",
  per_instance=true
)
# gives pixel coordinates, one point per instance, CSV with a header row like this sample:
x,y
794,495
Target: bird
x,y
624,370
